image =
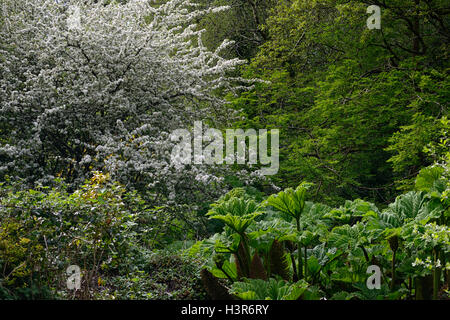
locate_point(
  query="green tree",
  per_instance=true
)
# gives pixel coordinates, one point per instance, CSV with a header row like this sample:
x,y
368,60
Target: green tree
x,y
356,107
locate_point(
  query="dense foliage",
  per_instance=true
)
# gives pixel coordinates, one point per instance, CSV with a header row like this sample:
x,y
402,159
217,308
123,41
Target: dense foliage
x,y
287,248
86,177
357,107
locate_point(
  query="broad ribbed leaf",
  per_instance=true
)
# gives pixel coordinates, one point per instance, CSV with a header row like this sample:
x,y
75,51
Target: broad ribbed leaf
x,y
257,289
236,213
412,206
290,202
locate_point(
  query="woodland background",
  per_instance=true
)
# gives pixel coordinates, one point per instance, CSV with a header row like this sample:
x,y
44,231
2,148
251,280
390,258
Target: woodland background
x,y
85,171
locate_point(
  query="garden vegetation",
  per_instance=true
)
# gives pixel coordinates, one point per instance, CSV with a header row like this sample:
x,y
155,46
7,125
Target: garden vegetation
x,y
86,176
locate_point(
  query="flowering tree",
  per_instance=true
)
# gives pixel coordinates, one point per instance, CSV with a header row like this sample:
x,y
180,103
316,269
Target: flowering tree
x,y
106,94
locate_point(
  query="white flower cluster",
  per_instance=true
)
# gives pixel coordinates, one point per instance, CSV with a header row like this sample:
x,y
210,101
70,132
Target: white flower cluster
x,y
105,96
431,236
429,264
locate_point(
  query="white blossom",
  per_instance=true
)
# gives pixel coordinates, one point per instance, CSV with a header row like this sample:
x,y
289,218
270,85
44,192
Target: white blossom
x,y
106,94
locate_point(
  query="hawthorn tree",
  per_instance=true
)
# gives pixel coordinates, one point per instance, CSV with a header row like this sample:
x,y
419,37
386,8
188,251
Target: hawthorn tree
x,y
106,94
